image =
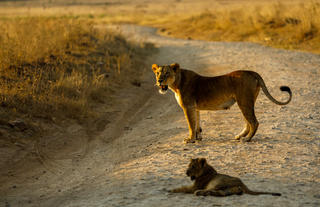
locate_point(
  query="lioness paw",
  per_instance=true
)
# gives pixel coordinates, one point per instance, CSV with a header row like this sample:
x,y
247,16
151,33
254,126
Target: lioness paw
x,y
246,139
237,137
199,136
188,140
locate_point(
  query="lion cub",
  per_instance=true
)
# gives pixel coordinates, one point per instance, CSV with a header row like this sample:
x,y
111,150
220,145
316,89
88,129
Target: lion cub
x,y
195,92
209,182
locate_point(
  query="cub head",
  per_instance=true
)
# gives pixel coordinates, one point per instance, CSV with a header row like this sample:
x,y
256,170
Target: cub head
x,y
165,75
198,167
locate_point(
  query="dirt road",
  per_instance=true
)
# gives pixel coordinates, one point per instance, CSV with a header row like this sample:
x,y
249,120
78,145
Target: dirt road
x,y
141,152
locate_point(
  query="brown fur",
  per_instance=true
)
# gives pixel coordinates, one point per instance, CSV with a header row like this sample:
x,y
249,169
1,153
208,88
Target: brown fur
x,y
208,182
195,92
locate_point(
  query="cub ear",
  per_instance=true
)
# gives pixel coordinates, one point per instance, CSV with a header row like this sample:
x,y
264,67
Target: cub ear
x,y
202,161
154,67
175,67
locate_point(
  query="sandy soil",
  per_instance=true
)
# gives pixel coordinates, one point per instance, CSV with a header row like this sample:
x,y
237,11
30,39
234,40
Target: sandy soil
x,y
140,152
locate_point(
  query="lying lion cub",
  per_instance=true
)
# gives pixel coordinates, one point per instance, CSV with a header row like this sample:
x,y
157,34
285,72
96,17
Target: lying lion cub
x,y
209,182
195,92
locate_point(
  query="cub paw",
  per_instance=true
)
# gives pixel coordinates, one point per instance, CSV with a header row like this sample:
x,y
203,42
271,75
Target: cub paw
x,y
173,191
200,193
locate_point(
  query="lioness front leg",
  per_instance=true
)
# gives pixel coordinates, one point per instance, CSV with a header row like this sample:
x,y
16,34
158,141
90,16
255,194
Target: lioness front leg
x,y
190,113
184,189
199,130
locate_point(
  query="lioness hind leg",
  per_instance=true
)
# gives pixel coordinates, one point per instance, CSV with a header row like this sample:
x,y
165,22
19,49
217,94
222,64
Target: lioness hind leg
x,y
244,132
253,124
253,130
248,113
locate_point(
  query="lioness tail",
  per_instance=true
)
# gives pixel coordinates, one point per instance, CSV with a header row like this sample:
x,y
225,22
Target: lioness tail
x,y
266,92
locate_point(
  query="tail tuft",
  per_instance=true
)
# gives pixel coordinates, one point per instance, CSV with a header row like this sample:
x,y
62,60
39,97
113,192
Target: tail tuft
x,y
276,194
286,88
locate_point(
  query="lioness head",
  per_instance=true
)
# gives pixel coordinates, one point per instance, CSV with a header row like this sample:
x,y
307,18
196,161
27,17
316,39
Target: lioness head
x,y
198,167
165,75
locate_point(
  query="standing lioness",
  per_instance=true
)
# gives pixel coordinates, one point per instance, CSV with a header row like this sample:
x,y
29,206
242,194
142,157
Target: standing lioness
x,y
195,92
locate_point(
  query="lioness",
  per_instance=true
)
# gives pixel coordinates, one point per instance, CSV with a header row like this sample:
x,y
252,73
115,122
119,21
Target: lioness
x,y
209,182
195,92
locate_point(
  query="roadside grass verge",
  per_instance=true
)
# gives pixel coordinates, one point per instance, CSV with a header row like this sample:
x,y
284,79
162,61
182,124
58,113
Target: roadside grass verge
x,y
288,26
60,67
284,24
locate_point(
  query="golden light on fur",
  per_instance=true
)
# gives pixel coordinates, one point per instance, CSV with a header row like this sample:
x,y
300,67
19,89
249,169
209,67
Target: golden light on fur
x,y
194,92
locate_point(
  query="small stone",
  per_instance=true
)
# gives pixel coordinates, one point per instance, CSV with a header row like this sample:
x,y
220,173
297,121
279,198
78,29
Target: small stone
x,y
127,128
317,196
19,124
136,83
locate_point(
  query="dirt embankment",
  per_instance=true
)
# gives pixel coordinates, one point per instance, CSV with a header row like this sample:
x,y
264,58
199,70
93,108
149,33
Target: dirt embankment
x,y
140,152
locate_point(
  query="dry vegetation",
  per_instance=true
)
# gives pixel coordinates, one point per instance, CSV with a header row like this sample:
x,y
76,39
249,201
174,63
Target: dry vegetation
x,y
60,65
58,70
285,24
289,26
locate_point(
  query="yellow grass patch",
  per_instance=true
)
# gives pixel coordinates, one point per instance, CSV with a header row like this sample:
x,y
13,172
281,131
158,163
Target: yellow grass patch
x,y
57,66
289,26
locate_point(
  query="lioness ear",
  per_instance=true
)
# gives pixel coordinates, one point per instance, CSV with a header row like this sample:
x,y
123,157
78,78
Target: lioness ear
x,y
154,67
202,161
175,67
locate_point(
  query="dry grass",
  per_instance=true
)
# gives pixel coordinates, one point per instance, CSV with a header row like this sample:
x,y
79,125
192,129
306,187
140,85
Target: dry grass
x,y
52,66
289,26
283,24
